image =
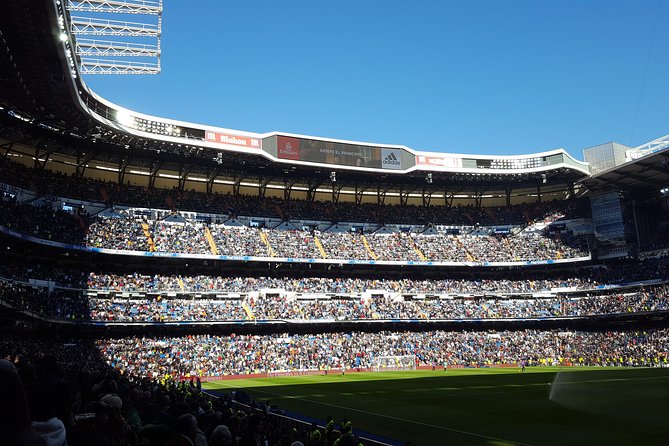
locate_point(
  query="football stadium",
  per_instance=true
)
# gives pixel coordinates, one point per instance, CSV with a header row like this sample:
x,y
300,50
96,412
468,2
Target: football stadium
x,y
172,283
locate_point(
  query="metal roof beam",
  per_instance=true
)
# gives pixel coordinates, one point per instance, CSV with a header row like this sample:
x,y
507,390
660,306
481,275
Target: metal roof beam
x,y
118,7
100,66
107,48
103,27
650,147
655,144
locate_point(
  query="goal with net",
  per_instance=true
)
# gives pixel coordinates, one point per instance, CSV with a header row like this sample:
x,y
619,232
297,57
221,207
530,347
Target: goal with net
x,y
394,363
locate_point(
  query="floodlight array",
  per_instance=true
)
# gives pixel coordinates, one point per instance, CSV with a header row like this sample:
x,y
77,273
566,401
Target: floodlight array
x,y
515,163
147,125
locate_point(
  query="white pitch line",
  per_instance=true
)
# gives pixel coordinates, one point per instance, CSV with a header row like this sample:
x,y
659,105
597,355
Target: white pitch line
x,y
450,429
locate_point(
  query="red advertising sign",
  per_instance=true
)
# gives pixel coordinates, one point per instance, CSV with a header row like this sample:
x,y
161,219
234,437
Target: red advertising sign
x,y
439,161
288,148
233,140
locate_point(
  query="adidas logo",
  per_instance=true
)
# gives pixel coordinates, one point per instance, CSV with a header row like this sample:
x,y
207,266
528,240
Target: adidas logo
x,y
391,160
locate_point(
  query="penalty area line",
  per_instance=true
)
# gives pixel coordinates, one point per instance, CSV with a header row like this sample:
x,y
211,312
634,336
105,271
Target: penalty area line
x,y
420,423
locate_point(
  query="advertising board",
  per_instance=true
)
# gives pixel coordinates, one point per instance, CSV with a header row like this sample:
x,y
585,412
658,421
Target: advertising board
x,y
340,154
233,140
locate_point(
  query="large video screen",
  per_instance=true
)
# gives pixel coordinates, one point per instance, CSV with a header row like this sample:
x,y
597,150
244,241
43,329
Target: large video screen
x,y
300,149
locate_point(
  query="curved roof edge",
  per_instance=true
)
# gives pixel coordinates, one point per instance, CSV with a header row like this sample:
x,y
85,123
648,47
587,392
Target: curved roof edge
x,y
219,138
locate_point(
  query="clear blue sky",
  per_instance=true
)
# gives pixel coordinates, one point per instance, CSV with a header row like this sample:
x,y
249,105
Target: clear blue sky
x,y
487,77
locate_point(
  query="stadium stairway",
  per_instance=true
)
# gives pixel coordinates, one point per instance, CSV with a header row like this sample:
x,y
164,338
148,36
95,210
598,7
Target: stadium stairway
x,y
489,312
417,249
319,245
369,248
82,224
249,312
558,239
263,237
210,239
145,229
470,257
505,241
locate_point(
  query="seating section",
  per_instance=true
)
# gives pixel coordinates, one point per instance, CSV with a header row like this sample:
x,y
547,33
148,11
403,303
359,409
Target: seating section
x,y
276,304
208,355
125,231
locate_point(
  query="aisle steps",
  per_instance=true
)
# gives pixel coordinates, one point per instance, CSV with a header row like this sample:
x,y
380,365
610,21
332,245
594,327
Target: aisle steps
x,y
210,239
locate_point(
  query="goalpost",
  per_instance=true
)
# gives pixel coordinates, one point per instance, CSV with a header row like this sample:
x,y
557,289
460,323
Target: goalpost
x,y
394,363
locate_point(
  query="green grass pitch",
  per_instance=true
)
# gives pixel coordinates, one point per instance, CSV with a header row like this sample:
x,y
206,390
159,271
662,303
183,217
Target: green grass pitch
x,y
544,406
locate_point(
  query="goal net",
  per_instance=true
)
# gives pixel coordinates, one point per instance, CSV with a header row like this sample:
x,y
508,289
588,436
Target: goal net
x,y
394,363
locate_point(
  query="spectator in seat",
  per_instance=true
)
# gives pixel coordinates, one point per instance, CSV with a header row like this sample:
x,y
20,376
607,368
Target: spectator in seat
x,y
14,413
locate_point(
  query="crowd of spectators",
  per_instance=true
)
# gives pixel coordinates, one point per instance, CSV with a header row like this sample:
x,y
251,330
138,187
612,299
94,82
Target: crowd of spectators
x,y
205,283
206,355
38,300
482,308
127,232
190,238
24,269
583,278
80,306
51,183
239,241
399,246
346,245
443,246
164,310
117,233
293,243
520,248
178,237
63,393
42,222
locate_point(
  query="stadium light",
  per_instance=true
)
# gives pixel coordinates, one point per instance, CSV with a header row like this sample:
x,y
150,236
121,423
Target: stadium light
x,y
125,119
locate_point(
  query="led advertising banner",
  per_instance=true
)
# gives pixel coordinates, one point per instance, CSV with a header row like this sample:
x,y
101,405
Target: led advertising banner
x,y
448,162
233,140
288,148
326,152
391,159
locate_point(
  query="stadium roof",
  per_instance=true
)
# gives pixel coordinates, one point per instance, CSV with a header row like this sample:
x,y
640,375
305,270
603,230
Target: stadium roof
x,y
46,102
645,175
